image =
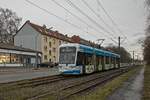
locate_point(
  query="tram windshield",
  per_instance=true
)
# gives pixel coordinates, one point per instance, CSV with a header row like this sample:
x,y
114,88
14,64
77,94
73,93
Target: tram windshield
x,y
67,55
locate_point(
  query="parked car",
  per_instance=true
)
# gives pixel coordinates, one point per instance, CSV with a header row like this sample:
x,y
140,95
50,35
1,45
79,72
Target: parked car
x,y
48,64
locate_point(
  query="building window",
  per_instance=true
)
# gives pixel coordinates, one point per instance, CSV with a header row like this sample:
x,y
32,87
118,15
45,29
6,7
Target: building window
x,y
45,57
28,60
54,49
4,58
50,53
50,44
45,48
45,39
10,58
50,60
54,41
54,58
59,42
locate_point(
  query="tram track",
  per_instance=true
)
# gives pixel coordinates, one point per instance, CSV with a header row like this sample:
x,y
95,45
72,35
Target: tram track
x,y
80,86
31,82
86,86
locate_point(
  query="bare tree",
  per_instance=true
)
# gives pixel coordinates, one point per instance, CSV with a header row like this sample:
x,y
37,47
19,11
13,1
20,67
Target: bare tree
x,y
147,50
148,3
125,55
146,44
9,23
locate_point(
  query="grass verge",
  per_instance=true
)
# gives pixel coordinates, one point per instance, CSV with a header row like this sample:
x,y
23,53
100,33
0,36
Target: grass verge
x,y
102,92
146,93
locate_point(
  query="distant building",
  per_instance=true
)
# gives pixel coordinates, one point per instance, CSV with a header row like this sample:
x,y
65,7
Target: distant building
x,y
15,56
42,39
78,39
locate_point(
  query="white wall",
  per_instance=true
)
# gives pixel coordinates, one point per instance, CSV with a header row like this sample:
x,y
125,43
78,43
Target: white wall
x,y
28,37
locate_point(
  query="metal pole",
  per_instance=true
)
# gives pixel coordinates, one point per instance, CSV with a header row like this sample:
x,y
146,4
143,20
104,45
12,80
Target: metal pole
x,y
119,50
133,58
36,61
10,58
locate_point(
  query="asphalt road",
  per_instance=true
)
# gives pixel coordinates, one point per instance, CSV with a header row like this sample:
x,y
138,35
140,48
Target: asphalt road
x,y
15,74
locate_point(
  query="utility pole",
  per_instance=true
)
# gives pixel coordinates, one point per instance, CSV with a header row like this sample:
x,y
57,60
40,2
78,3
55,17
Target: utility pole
x,y
133,57
119,49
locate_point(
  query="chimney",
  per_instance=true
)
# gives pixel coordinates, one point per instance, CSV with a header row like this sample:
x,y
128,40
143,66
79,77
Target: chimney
x,y
44,26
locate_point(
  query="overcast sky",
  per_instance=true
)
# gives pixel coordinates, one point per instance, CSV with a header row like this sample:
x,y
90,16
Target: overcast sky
x,y
129,15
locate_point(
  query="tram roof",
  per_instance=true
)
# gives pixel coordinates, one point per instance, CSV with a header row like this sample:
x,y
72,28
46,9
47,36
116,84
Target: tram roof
x,y
91,50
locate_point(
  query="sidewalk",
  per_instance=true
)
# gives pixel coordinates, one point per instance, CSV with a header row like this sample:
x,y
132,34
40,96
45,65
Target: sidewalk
x,y
8,75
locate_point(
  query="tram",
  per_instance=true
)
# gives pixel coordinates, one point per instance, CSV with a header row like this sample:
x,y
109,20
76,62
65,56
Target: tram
x,y
76,59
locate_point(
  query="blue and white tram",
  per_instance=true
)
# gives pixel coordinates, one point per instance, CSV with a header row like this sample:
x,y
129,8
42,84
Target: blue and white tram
x,y
80,59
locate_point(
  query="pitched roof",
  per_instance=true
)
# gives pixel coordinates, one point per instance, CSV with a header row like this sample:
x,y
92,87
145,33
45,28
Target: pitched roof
x,y
44,31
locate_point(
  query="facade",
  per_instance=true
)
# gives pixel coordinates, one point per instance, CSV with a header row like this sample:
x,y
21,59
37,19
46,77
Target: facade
x,y
14,56
42,39
77,39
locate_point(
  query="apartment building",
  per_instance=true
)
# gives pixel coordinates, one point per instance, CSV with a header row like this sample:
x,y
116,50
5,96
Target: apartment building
x,y
78,39
41,38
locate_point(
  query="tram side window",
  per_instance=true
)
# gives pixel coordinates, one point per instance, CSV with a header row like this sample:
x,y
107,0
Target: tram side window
x,y
98,60
112,60
107,60
80,58
102,60
118,60
88,59
84,59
